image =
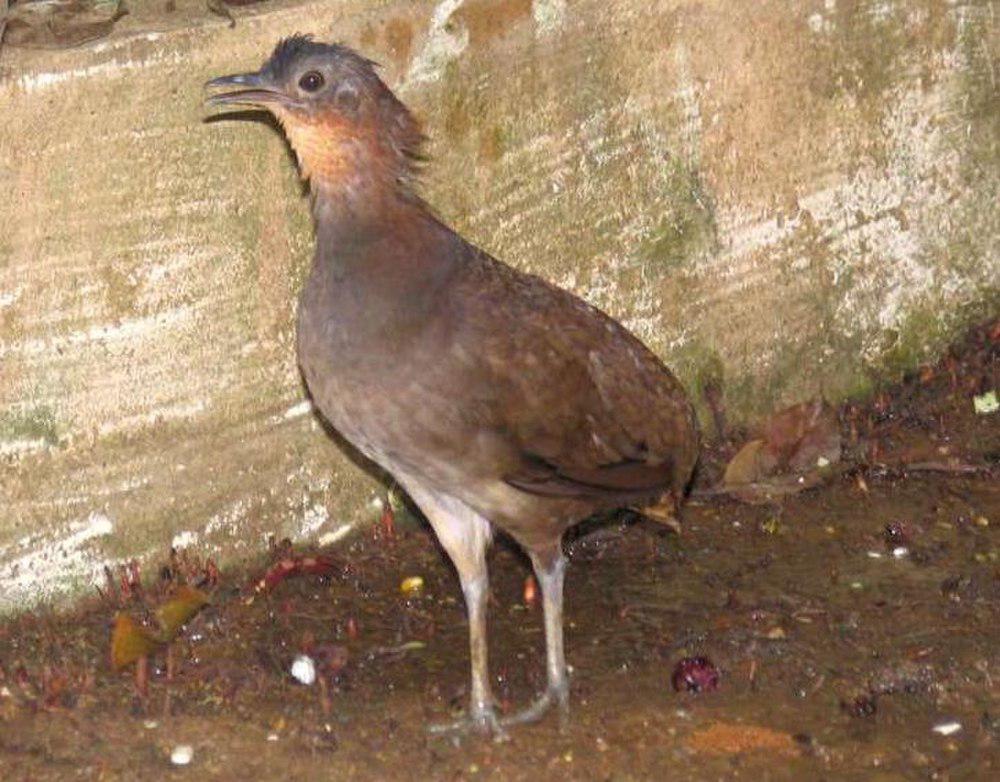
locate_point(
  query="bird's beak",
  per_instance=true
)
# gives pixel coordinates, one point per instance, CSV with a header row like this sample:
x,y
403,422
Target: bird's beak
x,y
257,91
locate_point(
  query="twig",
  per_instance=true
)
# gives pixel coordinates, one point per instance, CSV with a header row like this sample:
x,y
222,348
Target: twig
x,y
171,670
958,468
819,683
324,696
142,678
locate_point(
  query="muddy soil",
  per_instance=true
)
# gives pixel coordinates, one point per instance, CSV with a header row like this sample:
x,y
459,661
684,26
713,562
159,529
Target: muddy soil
x,y
855,628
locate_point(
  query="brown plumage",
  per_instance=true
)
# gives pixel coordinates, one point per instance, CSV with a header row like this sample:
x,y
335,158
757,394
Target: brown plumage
x,y
493,397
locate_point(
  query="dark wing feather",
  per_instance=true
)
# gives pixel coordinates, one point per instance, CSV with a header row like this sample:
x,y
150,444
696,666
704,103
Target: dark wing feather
x,y
627,481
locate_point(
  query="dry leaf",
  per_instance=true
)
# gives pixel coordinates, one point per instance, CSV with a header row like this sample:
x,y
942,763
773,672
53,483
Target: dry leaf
x,y
803,437
130,641
724,738
178,610
797,446
751,464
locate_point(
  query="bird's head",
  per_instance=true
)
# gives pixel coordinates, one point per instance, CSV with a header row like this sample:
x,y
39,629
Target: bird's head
x,y
341,119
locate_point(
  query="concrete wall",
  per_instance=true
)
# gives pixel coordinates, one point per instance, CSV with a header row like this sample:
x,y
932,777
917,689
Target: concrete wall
x,y
797,197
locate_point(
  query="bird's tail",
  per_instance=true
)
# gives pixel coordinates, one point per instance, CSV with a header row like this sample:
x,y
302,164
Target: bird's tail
x,y
663,511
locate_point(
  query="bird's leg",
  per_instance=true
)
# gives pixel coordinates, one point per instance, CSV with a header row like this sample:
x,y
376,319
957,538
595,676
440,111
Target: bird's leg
x,y
550,569
465,536
476,588
482,713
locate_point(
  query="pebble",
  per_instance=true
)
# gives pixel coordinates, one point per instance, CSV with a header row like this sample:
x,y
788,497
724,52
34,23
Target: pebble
x,y
304,669
900,551
947,728
182,754
412,586
987,403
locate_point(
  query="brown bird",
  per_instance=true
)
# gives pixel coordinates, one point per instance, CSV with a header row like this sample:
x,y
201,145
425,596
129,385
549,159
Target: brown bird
x,y
494,398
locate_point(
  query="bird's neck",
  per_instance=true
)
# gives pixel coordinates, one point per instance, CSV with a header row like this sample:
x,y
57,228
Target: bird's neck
x,y
354,209
381,244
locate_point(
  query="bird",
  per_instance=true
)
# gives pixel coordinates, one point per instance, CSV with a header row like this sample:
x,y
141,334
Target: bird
x,y
495,399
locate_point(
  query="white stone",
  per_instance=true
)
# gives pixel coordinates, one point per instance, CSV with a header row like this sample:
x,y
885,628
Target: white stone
x,y
304,669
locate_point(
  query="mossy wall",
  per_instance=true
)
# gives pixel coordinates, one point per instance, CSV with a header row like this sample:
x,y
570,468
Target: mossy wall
x,y
793,197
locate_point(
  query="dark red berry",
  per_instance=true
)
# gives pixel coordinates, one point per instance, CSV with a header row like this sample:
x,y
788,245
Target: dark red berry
x,y
861,706
896,534
695,674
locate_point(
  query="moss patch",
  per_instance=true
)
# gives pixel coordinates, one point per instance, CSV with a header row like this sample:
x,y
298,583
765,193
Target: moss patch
x,y
35,423
687,228
926,331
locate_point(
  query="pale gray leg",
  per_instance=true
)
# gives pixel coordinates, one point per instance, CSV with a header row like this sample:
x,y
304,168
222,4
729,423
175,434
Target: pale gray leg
x,y
550,569
466,535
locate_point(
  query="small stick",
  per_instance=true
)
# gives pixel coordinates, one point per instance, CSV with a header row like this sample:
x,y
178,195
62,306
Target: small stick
x,y
818,684
171,667
960,468
324,696
142,678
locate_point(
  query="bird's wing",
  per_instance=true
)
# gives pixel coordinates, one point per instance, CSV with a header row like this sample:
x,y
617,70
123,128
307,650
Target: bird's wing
x,y
589,410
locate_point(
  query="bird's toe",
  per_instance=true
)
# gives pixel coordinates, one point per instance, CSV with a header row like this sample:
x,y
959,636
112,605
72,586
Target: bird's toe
x,y
557,696
483,721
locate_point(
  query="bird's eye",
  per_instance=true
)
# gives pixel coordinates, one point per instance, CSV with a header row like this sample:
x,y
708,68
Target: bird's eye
x,y
311,81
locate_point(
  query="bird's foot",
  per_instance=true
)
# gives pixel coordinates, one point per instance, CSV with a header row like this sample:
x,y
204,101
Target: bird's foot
x,y
554,695
482,720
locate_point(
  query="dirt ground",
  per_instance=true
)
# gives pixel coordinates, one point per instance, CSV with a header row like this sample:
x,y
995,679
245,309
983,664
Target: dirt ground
x,y
855,629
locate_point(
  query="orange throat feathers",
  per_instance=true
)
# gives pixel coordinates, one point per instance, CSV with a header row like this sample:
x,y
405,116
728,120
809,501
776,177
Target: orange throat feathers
x,y
331,150
322,146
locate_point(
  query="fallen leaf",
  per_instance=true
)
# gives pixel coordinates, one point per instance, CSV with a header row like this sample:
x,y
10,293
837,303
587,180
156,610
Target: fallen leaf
x,y
724,738
797,447
802,435
750,464
178,610
130,641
